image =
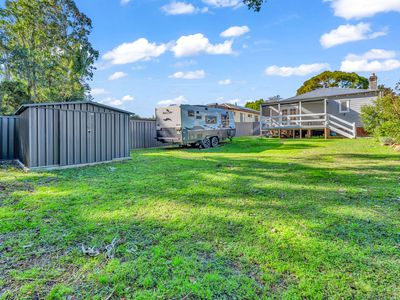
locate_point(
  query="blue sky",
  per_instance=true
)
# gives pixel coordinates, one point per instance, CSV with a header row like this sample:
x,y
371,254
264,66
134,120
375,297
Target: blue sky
x,y
155,51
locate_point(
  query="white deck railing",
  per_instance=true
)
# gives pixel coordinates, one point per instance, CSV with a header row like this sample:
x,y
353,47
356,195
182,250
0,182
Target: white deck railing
x,y
309,121
293,121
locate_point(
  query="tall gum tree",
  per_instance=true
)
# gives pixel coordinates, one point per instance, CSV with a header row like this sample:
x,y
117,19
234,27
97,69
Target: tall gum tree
x,y
45,45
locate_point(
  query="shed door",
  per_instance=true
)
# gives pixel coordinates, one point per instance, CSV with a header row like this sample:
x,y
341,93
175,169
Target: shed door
x,y
91,150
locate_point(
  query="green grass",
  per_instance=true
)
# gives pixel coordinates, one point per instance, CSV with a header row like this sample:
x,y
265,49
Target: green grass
x,y
256,218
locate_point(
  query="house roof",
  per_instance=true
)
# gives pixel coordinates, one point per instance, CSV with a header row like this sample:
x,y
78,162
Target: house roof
x,y
25,106
324,93
235,107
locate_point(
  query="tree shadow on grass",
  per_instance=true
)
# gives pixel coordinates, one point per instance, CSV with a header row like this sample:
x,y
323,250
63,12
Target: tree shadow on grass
x,y
217,228
254,145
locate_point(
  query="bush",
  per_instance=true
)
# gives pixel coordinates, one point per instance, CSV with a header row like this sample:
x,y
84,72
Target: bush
x,y
382,119
387,141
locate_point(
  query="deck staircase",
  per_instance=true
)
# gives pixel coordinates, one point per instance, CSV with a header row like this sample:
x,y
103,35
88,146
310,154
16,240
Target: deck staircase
x,y
341,126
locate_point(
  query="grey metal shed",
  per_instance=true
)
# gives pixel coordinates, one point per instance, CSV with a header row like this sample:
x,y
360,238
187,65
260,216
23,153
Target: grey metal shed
x,y
71,133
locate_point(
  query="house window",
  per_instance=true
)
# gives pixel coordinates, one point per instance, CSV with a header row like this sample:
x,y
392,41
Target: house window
x,y
344,106
256,118
191,113
250,116
211,120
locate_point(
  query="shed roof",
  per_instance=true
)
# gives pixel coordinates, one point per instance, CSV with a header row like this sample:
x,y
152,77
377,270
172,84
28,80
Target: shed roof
x,y
324,93
25,106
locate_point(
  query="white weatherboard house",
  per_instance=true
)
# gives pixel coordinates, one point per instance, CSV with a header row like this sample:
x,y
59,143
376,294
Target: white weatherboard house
x,y
334,111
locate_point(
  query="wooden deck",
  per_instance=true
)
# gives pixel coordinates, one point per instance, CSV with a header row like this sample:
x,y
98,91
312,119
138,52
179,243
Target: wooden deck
x,y
320,121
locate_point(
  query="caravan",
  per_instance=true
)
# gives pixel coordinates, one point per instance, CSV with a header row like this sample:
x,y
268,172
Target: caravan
x,y
194,125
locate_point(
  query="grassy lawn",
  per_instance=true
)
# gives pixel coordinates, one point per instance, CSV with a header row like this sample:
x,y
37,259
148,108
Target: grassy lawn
x,y
256,218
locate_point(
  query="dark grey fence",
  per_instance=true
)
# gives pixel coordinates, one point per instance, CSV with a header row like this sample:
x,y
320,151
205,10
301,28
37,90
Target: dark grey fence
x,y
142,134
8,137
59,136
247,129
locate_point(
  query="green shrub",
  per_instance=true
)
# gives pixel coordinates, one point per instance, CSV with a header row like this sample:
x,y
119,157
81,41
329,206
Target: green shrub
x,y
382,119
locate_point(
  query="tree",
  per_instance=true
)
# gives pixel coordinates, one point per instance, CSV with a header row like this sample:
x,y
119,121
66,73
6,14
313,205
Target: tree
x,y
329,79
254,4
255,104
385,90
44,44
12,95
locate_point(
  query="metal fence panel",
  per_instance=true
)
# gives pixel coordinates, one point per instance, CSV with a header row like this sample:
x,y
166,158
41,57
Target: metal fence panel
x,y
247,129
142,134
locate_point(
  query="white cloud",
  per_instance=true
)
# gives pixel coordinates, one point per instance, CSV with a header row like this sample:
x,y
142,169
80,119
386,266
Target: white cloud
x,y
349,33
139,50
199,74
238,102
98,92
179,8
124,2
182,8
373,54
127,98
117,75
117,102
235,31
186,63
195,44
225,82
178,100
357,9
295,71
375,60
224,3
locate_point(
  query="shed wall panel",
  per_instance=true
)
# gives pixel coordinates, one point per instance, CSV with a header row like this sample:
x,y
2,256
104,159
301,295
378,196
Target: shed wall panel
x,y
65,134
9,127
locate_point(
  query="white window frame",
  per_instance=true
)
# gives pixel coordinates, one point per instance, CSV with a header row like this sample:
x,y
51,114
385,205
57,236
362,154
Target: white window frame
x,y
348,106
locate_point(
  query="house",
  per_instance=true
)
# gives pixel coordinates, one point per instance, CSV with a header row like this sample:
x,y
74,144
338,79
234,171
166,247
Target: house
x,y
328,111
241,114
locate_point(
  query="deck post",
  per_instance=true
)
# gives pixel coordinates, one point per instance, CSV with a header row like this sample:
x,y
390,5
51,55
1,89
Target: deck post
x,y
280,119
326,133
300,113
326,130
301,119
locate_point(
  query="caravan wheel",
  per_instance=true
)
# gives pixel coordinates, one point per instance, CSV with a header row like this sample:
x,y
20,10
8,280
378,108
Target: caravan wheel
x,y
206,143
214,142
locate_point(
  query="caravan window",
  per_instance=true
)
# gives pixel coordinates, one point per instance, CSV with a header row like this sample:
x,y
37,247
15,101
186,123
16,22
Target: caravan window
x,y
211,120
344,106
190,113
225,120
